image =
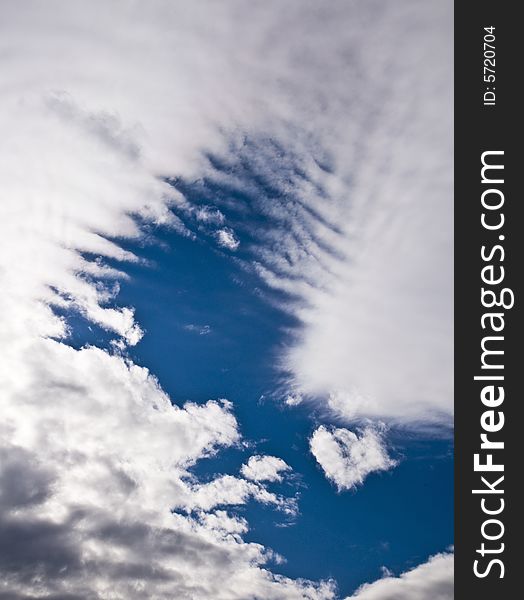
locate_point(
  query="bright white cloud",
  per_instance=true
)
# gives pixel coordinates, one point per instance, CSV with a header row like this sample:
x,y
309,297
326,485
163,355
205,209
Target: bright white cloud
x,y
347,458
229,490
264,468
432,580
97,460
226,238
360,212
101,104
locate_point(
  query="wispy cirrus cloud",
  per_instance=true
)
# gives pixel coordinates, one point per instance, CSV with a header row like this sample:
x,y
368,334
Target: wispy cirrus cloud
x,y
199,329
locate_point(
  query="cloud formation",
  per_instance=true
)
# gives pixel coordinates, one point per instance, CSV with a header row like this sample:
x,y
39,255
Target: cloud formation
x,y
432,580
331,124
226,238
347,458
264,468
103,105
97,475
353,214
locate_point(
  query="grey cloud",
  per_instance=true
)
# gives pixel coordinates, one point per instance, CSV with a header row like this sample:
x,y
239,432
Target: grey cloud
x,y
23,481
33,549
104,126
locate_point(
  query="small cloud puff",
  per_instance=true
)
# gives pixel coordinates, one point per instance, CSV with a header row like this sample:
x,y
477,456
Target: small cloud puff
x,y
264,468
226,239
347,459
293,400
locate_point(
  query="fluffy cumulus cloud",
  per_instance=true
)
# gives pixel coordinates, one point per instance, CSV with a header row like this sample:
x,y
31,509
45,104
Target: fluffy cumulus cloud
x,y
106,107
347,458
95,476
433,579
226,238
264,468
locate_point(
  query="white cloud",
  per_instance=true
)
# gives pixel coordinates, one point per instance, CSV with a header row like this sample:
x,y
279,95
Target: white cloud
x,y
264,468
293,400
209,215
226,238
98,460
229,490
431,580
360,153
359,206
347,459
101,103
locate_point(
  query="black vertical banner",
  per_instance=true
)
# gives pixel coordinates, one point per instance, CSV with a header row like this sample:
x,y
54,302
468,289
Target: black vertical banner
x,y
489,268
